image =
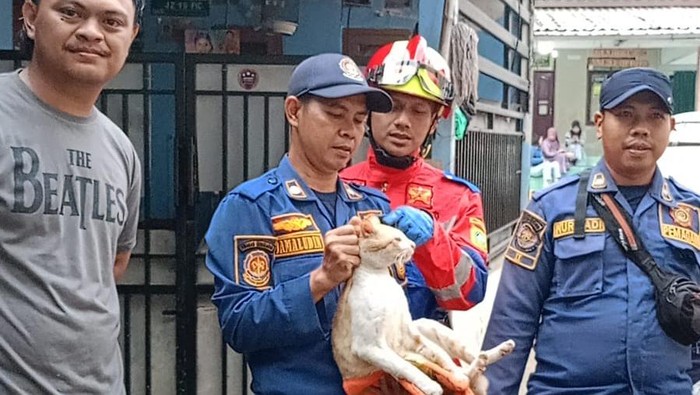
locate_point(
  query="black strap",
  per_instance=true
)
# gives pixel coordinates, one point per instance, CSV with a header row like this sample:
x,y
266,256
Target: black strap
x,y
619,225
581,205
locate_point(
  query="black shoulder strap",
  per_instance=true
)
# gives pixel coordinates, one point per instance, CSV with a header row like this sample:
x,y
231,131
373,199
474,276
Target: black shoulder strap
x,y
581,205
619,225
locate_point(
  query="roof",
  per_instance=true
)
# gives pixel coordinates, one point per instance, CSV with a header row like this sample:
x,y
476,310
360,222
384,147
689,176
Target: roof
x,y
620,21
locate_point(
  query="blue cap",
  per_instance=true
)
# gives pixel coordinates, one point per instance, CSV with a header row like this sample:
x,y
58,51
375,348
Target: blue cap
x,y
623,84
333,76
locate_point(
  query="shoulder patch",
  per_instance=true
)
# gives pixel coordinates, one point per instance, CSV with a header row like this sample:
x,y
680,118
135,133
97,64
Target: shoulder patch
x,y
253,189
562,183
526,244
459,180
253,256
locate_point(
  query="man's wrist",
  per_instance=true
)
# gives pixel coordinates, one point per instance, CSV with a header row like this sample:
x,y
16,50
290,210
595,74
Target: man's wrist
x,y
320,284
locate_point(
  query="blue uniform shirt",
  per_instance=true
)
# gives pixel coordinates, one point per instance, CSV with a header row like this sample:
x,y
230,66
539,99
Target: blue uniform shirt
x,y
588,309
264,239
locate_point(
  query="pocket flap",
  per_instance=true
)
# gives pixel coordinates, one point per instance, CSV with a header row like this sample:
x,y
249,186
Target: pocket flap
x,y
569,247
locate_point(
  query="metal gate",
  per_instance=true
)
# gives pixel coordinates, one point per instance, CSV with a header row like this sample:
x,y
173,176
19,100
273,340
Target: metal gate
x,y
236,114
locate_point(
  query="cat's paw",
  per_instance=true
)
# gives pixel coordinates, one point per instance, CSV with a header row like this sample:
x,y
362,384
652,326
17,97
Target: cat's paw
x,y
430,387
507,347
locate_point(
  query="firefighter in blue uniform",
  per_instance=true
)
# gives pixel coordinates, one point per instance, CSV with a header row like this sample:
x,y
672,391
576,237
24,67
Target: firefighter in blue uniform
x,y
589,310
280,245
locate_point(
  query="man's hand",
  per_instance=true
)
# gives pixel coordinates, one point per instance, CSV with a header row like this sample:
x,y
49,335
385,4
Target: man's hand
x,y
416,224
340,257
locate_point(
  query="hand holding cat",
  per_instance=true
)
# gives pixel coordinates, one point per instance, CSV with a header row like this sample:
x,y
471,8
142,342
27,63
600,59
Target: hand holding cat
x,y
416,224
340,257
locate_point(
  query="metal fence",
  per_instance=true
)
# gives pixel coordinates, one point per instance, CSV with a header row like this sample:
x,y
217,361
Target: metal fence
x,y
492,160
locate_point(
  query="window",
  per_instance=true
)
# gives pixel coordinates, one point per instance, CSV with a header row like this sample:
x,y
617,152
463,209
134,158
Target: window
x,y
397,4
490,47
365,3
495,9
595,80
491,89
517,99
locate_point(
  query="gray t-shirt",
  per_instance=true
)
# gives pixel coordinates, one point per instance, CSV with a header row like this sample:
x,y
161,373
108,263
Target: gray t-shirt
x,y
69,199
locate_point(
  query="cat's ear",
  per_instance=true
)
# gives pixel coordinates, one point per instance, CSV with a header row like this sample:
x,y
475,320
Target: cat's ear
x,y
356,223
367,228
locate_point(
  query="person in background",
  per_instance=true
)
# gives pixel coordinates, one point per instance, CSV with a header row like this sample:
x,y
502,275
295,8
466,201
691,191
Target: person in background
x,y
574,143
69,201
589,310
554,158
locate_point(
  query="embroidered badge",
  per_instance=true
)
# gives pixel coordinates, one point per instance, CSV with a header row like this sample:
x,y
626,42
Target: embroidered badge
x,y
252,257
526,245
257,269
682,216
294,189
566,227
294,222
599,181
680,224
419,194
296,234
477,234
350,69
665,194
352,193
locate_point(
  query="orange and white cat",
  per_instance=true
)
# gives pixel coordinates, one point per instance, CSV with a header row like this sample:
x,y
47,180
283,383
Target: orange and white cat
x,y
373,330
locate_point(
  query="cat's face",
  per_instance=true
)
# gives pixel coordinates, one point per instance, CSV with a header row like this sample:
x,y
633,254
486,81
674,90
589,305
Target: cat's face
x,y
381,245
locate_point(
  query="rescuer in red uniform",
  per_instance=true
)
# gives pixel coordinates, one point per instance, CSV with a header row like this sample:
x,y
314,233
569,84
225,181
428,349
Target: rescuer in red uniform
x,y
450,269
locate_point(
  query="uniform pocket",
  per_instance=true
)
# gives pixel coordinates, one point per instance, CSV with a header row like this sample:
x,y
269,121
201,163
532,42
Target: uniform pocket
x,y
579,265
685,259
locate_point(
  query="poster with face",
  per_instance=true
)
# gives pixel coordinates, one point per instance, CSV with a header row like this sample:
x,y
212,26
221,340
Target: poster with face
x,y
213,41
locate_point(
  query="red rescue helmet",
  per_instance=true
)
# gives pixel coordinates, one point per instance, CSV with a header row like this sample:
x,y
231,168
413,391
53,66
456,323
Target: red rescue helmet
x,y
413,68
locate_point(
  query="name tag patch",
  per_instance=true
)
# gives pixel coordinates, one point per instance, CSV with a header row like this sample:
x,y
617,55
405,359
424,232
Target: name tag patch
x,y
566,227
296,234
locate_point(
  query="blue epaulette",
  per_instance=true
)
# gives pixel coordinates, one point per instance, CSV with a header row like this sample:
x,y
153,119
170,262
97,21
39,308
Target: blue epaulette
x,y
462,181
682,187
568,180
253,189
370,191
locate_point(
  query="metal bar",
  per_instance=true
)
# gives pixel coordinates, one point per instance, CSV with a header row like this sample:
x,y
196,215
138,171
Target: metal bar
x,y
186,269
266,133
127,343
224,366
224,127
246,117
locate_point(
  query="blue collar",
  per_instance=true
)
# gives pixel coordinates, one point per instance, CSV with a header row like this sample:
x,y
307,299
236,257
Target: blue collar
x,y
601,181
297,189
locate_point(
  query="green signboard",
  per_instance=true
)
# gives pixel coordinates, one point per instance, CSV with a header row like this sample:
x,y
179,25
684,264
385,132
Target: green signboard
x,y
180,7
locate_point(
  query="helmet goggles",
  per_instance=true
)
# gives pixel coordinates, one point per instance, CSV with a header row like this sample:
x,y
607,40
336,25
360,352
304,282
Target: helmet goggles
x,y
396,74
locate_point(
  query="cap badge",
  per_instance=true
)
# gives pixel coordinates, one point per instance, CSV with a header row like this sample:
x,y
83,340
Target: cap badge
x,y
350,69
